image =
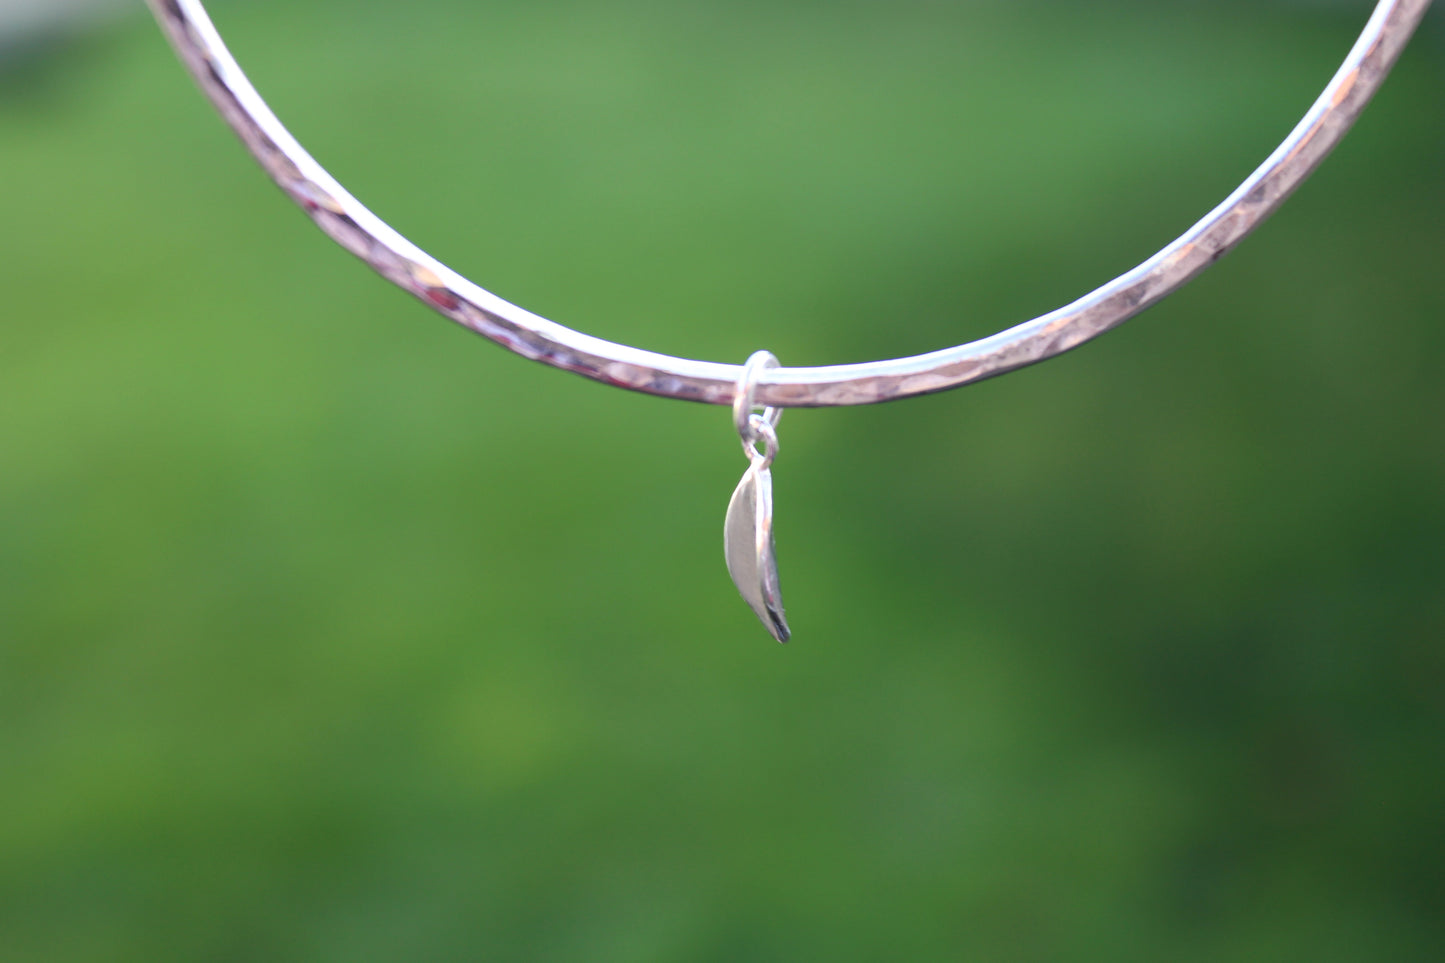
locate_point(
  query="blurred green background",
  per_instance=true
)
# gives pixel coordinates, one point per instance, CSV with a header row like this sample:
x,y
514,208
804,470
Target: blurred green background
x,y
331,632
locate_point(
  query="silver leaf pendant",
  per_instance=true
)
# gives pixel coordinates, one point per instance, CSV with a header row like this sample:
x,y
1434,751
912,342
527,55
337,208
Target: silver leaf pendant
x,y
748,548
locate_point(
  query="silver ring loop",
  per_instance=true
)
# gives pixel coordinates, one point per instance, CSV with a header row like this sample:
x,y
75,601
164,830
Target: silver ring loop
x,y
765,433
746,394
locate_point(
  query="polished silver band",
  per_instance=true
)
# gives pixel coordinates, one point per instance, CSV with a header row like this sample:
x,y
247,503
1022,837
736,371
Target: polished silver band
x,y
364,234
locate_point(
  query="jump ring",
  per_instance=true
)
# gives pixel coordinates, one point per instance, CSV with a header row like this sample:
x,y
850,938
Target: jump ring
x,y
764,435
747,390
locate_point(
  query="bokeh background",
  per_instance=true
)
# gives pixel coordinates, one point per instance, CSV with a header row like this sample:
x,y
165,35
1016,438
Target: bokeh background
x,y
331,632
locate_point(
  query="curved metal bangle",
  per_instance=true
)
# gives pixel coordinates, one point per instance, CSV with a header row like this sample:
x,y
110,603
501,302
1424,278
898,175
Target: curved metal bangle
x,y
364,234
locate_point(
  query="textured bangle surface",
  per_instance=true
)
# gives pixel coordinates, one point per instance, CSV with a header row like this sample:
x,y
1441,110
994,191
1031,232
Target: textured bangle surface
x,y
361,232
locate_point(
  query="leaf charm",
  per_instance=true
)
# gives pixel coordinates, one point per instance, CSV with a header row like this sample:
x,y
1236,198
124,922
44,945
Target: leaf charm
x,y
748,548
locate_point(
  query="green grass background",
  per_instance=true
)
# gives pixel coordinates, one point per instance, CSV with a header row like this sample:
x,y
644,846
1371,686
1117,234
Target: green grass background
x,y
331,632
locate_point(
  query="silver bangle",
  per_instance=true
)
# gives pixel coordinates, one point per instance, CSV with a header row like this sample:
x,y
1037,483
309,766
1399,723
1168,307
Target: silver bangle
x,y
364,234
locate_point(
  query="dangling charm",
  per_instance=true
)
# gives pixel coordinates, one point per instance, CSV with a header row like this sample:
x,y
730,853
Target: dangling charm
x,y
748,532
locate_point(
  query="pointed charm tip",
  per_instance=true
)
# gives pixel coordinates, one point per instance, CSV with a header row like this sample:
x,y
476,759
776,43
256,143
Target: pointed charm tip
x,y
748,549
780,630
